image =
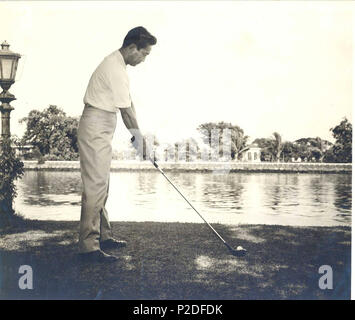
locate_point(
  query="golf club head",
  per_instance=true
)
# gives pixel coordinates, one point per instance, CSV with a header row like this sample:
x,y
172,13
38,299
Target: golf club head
x,y
238,252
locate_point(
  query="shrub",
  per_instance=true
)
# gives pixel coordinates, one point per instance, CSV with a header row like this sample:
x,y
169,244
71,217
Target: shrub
x,y
11,169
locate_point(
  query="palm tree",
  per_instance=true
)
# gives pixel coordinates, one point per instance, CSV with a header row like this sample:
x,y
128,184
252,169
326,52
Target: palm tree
x,y
275,147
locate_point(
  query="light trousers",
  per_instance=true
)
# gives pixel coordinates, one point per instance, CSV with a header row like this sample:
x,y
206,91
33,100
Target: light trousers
x,y
95,133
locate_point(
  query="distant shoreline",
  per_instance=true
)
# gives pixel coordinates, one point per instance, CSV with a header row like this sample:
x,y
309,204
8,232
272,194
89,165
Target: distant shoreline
x,y
263,167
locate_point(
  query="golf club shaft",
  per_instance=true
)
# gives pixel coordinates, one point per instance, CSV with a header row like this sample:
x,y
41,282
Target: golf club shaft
x,y
216,233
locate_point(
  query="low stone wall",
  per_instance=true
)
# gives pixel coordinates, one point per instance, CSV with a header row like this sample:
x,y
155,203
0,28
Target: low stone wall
x,y
201,166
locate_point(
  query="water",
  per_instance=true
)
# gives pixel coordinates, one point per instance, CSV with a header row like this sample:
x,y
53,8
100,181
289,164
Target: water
x,y
252,198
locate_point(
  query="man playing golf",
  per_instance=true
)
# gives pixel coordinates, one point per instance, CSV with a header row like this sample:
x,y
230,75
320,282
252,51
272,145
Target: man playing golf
x,y
107,93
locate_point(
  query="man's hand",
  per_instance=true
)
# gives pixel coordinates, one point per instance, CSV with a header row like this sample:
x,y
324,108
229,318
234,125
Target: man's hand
x,y
143,148
138,141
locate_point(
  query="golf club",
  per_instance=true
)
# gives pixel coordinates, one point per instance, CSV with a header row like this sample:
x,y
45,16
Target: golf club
x,y
239,251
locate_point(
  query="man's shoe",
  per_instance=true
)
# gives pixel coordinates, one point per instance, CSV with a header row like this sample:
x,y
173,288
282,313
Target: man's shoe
x,y
97,256
112,244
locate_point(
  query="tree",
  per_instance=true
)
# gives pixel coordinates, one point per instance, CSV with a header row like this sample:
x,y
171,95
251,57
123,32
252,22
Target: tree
x,y
318,149
288,151
186,149
265,145
271,148
342,149
53,133
212,130
312,148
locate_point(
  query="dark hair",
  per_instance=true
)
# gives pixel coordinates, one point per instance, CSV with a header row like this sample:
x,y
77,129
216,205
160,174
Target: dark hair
x,y
140,37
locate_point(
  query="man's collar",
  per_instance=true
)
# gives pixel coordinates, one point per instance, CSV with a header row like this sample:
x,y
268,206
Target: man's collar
x,y
120,58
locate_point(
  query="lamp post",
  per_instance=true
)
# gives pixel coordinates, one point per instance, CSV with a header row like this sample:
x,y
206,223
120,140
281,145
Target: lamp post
x,y
8,67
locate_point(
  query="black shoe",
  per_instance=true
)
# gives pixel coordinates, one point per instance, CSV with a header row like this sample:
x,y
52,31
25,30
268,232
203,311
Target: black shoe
x,y
97,256
112,244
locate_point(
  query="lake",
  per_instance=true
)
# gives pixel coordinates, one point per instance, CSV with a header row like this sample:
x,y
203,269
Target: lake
x,y
235,198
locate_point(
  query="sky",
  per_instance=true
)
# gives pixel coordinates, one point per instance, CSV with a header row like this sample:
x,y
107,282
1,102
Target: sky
x,y
264,66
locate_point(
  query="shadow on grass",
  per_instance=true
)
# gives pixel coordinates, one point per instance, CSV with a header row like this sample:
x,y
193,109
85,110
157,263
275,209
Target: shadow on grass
x,y
177,261
289,259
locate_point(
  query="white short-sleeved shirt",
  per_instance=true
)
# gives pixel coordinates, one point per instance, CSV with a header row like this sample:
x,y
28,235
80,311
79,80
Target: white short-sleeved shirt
x,y
108,88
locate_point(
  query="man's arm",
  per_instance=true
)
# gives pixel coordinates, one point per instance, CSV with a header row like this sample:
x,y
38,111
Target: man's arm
x,y
130,120
134,109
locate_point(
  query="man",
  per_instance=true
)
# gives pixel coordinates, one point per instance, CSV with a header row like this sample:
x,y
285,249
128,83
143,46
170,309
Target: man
x,y
107,93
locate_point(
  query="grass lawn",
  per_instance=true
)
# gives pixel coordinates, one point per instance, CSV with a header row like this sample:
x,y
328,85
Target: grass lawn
x,y
177,261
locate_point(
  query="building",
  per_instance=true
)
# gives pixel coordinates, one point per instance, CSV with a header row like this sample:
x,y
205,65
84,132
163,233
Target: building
x,y
252,153
23,151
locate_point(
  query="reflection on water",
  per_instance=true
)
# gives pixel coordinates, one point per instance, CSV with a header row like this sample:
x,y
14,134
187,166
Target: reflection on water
x,y
49,188
343,192
254,198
